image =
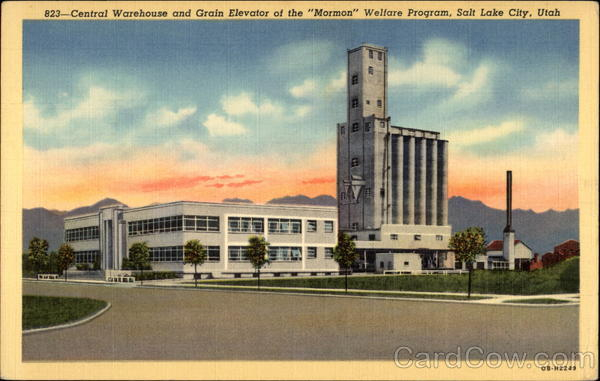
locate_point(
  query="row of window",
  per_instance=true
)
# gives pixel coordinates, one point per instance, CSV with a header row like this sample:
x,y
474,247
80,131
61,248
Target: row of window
x,y
87,256
81,234
176,254
379,55
173,223
276,225
356,127
280,253
354,103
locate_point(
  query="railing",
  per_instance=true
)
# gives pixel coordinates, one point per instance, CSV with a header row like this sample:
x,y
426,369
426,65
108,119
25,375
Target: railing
x,y
47,276
120,279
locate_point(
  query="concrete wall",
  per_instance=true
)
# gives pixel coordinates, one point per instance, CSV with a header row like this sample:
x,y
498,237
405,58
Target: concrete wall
x,y
405,262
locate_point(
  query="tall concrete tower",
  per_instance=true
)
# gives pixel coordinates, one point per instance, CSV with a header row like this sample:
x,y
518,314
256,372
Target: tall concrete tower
x,y
385,174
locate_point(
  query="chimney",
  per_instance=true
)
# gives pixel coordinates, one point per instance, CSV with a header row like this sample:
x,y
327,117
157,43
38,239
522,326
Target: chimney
x,y
508,245
508,227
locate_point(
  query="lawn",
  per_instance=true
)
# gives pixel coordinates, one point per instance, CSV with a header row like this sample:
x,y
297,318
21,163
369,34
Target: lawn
x,y
48,311
561,278
537,301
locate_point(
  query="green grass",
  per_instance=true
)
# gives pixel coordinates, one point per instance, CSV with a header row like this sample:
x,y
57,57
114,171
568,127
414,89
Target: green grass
x,y
537,301
378,294
561,278
48,311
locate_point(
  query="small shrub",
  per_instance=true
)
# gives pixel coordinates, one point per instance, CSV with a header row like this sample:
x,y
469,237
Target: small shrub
x,y
83,266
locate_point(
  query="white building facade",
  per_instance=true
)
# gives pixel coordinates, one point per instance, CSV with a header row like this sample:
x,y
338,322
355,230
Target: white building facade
x,y
302,238
392,181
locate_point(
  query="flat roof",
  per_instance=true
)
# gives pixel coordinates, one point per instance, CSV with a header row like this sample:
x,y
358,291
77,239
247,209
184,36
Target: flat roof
x,y
217,204
367,45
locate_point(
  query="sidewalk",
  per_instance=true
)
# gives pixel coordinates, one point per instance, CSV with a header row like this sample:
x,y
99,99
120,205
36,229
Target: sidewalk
x,y
497,299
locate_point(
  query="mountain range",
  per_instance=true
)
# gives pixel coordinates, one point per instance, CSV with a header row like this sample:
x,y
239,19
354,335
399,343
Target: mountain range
x,y
540,231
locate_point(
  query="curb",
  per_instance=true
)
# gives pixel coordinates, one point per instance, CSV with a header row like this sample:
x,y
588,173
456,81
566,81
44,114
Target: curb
x,y
69,325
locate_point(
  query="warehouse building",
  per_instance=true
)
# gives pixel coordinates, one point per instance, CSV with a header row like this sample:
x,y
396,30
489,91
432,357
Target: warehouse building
x,y
392,181
302,237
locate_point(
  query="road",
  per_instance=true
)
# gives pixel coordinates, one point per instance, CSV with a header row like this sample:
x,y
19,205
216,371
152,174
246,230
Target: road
x,y
177,324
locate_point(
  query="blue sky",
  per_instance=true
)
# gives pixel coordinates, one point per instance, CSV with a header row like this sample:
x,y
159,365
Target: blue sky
x,y
259,91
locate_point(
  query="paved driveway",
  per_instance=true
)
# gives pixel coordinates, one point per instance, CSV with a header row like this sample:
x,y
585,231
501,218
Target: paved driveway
x,y
176,324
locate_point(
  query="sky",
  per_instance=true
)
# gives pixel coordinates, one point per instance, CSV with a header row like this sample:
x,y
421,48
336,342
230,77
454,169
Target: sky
x,y
160,111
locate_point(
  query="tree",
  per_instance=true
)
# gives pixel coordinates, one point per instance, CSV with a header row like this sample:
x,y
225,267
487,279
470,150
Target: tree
x,y
139,257
257,253
194,253
467,245
66,258
345,254
38,254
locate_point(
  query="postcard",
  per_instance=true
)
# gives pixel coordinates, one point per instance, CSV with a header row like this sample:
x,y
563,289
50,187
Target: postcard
x,y
299,190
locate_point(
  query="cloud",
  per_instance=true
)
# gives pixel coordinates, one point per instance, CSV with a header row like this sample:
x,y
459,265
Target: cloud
x,y
544,173
99,103
478,81
436,68
306,89
242,104
485,134
554,89
244,183
166,117
217,125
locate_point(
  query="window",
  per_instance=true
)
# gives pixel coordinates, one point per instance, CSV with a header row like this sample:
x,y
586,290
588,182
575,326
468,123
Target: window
x,y
353,237
172,224
371,70
354,162
328,252
87,256
382,124
405,263
355,79
370,53
213,253
394,237
311,252
379,56
311,225
166,254
355,226
285,253
201,223
81,234
342,130
245,225
439,237
381,264
368,102
343,195
285,225
354,102
379,103
237,253
417,237
328,226
367,126
371,237
458,265
354,127
367,192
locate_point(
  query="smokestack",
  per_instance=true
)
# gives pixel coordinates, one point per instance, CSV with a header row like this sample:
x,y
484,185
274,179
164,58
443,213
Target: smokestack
x,y
508,227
